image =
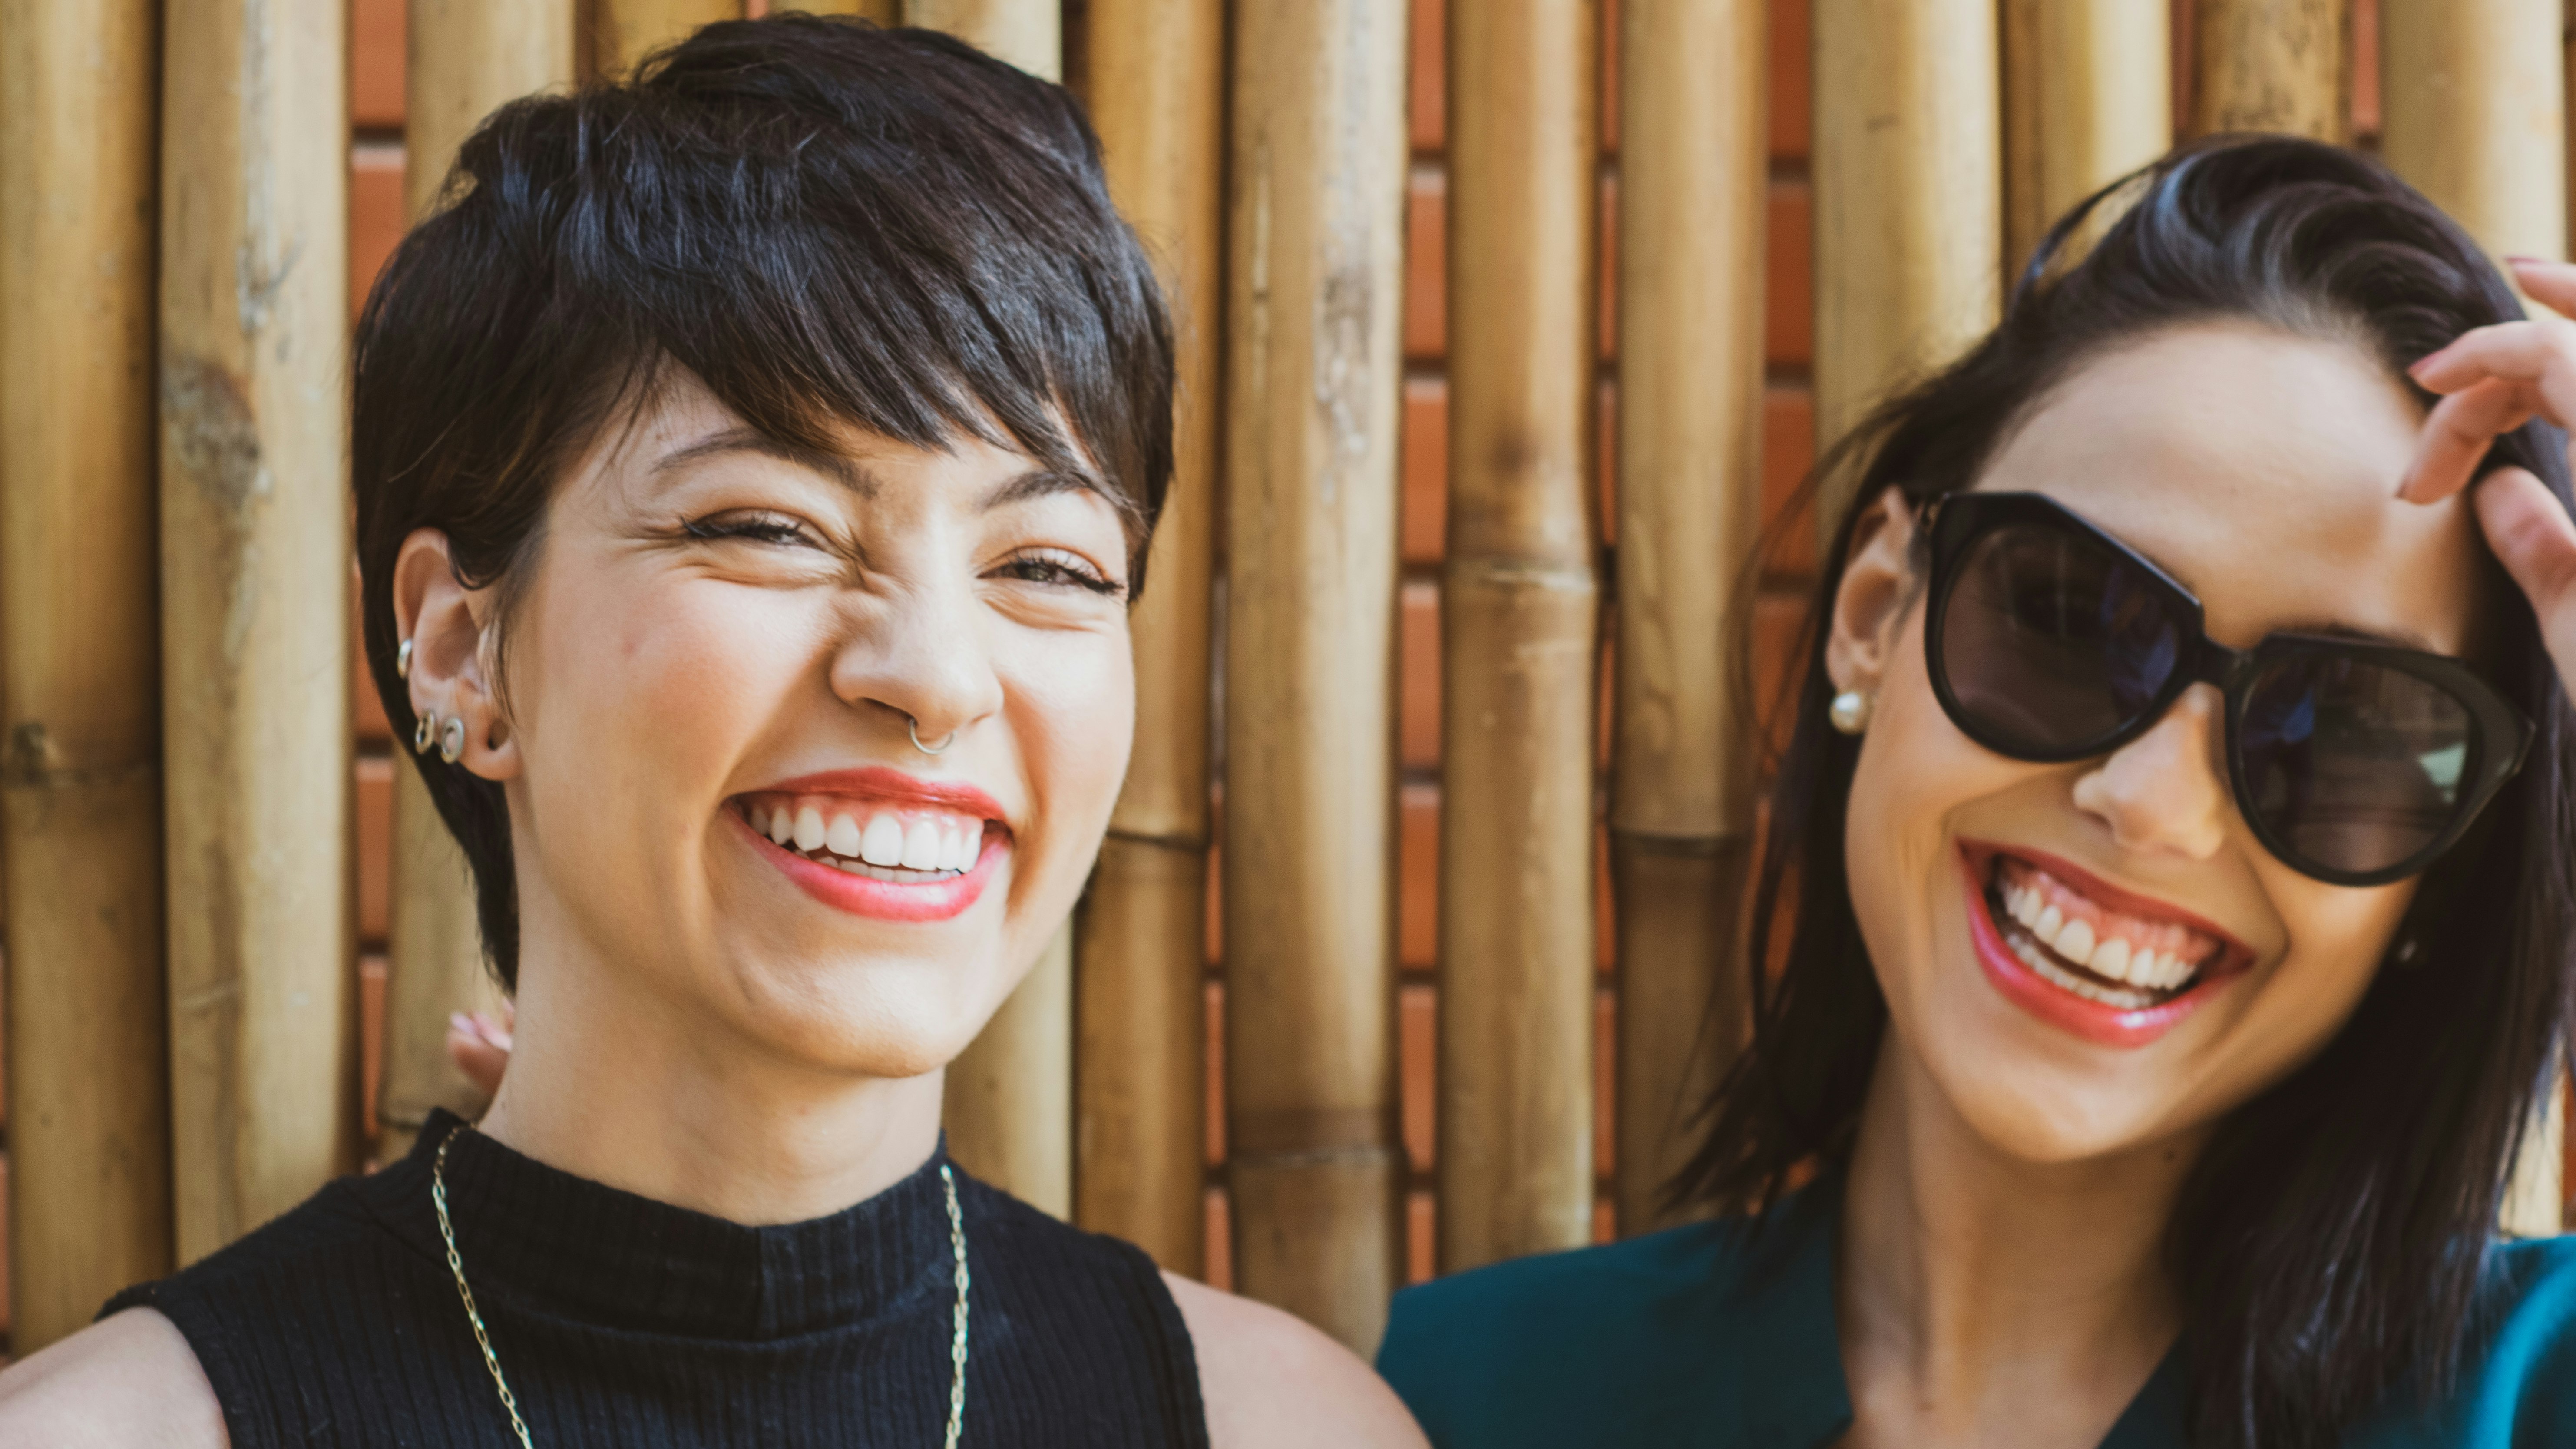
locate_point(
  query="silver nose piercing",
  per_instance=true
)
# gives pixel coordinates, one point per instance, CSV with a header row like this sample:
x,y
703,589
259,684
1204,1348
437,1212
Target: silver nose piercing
x,y
912,727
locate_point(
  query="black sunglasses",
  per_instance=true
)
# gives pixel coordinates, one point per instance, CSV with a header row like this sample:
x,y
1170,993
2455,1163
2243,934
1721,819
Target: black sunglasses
x,y
2048,640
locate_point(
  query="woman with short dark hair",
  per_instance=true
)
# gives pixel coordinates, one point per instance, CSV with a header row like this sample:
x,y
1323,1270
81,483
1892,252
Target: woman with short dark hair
x,y
2171,872
754,468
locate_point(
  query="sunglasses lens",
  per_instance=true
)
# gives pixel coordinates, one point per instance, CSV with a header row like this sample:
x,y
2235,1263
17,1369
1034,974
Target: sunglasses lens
x,y
2051,642
2352,765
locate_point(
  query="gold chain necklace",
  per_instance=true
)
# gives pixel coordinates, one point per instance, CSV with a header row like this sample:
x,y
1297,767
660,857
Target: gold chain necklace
x,y
510,1401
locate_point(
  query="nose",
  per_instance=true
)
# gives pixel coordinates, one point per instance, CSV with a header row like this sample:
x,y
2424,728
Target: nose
x,y
2165,792
919,655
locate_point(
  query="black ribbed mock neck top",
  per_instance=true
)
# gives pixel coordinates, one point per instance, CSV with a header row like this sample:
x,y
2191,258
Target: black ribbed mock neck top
x,y
624,1321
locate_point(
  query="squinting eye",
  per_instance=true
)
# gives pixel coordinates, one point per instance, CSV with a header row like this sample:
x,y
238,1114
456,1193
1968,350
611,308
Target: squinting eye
x,y
1057,568
754,527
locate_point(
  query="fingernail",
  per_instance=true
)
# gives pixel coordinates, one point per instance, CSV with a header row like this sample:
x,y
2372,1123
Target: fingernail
x,y
2523,261
459,1021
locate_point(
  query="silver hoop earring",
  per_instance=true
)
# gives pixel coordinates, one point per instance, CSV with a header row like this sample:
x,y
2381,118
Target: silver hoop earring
x,y
424,729
1850,711
912,728
402,661
451,740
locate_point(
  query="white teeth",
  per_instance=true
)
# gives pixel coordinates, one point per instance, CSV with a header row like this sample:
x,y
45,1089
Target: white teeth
x,y
952,845
2050,922
781,827
2112,959
809,829
883,843
843,837
2075,943
921,846
2061,978
974,845
2025,908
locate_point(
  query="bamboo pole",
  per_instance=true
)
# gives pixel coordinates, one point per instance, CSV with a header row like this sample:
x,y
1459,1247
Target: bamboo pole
x,y
1009,1105
1007,1102
2273,65
1313,380
254,609
2088,98
1692,187
80,794
879,12
1519,617
465,58
1157,87
1027,33
2473,113
1909,205
623,32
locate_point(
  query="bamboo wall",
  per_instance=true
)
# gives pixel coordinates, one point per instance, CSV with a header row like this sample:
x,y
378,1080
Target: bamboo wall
x,y
1397,954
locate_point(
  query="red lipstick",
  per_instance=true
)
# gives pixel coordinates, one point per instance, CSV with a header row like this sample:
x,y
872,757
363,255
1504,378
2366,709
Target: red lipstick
x,y
2094,1021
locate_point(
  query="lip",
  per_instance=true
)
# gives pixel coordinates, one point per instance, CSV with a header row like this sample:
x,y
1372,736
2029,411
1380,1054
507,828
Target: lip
x,y
883,900
2092,1020
878,782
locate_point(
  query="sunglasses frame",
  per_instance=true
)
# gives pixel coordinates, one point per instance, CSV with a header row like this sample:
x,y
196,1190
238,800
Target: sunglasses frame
x,y
2499,736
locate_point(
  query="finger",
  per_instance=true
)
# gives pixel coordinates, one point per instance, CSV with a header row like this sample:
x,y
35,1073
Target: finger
x,y
493,1029
2551,284
2535,540
2457,434
2541,353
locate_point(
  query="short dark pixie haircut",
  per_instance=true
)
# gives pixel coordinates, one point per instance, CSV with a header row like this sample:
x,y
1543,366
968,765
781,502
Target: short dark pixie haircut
x,y
828,224
2330,1244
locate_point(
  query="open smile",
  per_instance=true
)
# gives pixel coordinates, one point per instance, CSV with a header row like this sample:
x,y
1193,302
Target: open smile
x,y
878,842
2079,953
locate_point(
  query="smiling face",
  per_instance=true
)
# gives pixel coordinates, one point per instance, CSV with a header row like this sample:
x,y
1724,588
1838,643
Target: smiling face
x,y
2015,912
709,681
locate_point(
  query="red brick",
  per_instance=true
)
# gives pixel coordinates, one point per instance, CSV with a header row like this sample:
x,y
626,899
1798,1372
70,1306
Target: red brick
x,y
2365,68
1605,458
1429,99
1607,264
375,216
1220,1241
1418,682
1417,874
1426,266
1417,1058
375,814
1421,1226
1790,105
1426,469
1788,452
376,63
366,708
1610,77
1216,1073
1605,1221
1605,1075
371,1039
1789,324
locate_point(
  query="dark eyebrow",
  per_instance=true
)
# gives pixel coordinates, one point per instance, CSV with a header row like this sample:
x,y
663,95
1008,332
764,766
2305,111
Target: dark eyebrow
x,y
1041,483
839,469
2395,638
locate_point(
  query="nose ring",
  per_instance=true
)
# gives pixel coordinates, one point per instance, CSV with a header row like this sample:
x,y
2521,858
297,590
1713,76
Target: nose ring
x,y
912,727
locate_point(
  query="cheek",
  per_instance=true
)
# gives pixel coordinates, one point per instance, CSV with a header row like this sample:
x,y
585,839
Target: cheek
x,y
1072,704
2338,935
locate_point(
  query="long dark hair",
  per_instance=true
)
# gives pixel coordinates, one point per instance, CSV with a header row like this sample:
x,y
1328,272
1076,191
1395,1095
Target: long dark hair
x,y
2330,1242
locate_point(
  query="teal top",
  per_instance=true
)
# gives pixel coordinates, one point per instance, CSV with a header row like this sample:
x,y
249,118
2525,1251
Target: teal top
x,y
1721,1334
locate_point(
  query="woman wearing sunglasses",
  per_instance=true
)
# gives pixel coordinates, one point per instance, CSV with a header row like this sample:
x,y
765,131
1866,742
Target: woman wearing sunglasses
x,y
2168,880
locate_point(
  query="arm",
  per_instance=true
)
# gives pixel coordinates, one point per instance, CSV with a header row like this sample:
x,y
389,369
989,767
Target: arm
x,y
1270,1381
129,1382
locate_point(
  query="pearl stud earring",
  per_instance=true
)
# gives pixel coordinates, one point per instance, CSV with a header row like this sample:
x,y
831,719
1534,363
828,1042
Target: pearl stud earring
x,y
1850,711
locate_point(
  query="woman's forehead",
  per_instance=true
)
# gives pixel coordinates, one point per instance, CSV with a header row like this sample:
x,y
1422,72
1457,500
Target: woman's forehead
x,y
2260,469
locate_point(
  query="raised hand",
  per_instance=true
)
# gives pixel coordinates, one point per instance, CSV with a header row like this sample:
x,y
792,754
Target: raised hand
x,y
2493,380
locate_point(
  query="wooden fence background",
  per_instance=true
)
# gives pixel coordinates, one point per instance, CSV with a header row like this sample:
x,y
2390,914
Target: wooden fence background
x,y
1505,328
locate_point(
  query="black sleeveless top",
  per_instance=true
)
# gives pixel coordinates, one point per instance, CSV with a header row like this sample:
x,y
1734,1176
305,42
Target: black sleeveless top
x,y
627,1322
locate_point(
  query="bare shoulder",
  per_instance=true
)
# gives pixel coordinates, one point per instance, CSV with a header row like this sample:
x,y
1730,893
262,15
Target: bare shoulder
x,y
128,1382
1271,1381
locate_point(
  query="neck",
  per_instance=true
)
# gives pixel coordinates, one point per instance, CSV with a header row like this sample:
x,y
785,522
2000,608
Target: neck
x,y
1984,1298
609,1082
